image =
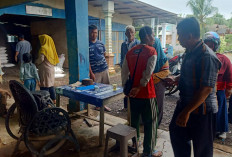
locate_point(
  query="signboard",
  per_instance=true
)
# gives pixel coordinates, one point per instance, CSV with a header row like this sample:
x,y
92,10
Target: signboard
x,y
38,10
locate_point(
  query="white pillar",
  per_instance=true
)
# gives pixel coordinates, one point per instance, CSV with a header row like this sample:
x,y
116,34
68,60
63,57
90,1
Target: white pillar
x,y
157,28
108,10
163,34
153,24
174,34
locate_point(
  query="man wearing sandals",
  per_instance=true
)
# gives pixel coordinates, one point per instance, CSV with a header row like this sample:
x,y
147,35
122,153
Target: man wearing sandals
x,y
141,60
194,118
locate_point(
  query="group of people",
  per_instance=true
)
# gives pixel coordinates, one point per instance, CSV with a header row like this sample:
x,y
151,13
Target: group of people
x,y
47,59
205,83
44,77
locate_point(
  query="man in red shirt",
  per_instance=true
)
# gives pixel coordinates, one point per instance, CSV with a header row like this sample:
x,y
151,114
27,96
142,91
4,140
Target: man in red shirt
x,y
224,84
142,95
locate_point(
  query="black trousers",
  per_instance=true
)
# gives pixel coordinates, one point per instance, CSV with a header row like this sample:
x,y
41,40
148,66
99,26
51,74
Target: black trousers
x,y
200,129
230,110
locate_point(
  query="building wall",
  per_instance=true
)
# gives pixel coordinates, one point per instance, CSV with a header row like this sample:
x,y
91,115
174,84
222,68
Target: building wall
x,y
118,18
93,11
57,30
59,4
96,16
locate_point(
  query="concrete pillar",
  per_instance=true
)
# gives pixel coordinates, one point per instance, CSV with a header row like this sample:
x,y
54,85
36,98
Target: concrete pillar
x,y
108,10
153,24
77,42
164,25
157,28
174,34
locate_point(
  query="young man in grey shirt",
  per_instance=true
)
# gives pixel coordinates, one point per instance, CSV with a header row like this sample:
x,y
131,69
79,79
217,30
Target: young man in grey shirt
x,y
22,47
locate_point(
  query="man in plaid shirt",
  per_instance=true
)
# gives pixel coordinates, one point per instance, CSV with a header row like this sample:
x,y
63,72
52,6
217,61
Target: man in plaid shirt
x,y
195,114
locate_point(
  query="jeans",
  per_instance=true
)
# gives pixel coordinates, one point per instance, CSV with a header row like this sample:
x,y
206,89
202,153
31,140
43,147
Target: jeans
x,y
30,84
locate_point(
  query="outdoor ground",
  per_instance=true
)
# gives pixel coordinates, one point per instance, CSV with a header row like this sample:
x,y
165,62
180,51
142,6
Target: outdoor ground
x,y
88,139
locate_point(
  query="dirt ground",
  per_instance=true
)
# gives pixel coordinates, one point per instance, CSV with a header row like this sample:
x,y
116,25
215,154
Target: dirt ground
x,y
169,102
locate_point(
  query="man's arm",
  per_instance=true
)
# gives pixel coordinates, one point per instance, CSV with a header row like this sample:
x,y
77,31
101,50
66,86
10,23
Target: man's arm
x,y
5,92
124,72
91,74
197,100
17,49
209,69
122,56
16,56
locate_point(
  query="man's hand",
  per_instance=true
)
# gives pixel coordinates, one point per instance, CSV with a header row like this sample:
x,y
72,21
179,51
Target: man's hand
x,y
182,119
171,80
92,76
16,58
228,93
134,91
38,83
1,79
5,92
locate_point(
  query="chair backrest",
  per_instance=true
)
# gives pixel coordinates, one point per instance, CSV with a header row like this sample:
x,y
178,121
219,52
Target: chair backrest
x,y
25,102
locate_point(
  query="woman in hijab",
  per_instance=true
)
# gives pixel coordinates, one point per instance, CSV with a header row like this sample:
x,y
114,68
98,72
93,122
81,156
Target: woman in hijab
x,y
46,61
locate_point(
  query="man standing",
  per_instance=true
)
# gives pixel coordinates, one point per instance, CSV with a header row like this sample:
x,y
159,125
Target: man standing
x,y
141,60
129,43
224,84
23,46
195,114
98,69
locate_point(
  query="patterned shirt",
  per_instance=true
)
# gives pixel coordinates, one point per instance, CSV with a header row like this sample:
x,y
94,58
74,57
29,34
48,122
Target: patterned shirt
x,y
125,47
96,57
199,68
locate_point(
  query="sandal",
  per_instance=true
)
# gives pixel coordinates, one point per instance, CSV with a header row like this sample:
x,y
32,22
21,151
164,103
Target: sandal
x,y
154,154
140,143
106,109
157,153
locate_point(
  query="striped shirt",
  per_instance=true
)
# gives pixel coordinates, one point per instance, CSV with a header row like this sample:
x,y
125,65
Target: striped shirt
x,y
96,57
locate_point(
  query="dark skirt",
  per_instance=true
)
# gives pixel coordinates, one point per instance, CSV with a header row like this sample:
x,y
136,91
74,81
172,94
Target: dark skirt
x,y
222,115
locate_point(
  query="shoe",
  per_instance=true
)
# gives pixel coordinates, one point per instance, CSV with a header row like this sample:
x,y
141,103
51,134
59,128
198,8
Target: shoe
x,y
222,135
105,108
154,154
122,109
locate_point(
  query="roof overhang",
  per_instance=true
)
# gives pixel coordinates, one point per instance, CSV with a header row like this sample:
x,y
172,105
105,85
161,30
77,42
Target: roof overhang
x,y
10,3
136,9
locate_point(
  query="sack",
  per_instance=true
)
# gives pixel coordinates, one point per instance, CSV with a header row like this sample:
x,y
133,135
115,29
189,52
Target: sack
x,y
128,86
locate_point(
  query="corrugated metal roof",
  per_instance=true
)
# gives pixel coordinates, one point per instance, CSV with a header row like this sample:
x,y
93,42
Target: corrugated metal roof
x,y
136,9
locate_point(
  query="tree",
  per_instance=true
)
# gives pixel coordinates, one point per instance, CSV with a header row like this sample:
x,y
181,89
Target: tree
x,y
217,19
201,10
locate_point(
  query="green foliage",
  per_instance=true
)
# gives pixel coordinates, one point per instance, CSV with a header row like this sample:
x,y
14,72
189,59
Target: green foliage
x,y
137,35
217,19
223,44
226,43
